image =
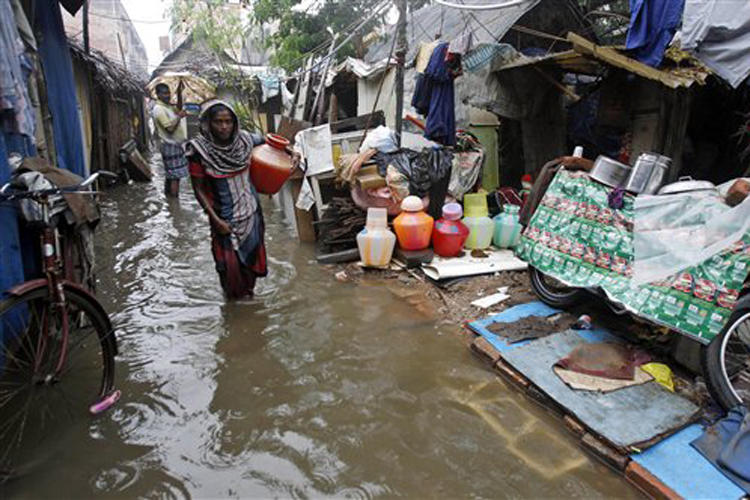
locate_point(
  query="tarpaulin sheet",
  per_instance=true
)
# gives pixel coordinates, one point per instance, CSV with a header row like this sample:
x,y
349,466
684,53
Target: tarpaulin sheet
x,y
58,73
576,237
718,33
10,253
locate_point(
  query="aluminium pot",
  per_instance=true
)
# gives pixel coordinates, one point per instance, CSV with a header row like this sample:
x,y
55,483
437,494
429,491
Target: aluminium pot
x,y
687,185
610,172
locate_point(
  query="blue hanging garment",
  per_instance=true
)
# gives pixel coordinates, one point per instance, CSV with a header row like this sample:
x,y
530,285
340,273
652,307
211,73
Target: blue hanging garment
x,y
441,119
652,26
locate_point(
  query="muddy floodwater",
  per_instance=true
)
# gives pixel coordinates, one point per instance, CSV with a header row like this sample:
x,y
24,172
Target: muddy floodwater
x,y
313,389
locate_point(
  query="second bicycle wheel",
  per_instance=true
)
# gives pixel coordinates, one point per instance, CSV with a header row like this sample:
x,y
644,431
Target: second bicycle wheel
x,y
39,404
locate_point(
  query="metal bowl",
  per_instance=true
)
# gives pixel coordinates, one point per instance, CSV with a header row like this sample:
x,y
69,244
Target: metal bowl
x,y
610,172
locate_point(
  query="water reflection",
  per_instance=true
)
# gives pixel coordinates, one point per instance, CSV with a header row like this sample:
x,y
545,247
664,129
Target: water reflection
x,y
314,388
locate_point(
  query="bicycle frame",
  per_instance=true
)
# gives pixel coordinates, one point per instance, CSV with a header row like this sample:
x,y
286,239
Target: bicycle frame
x,y
52,268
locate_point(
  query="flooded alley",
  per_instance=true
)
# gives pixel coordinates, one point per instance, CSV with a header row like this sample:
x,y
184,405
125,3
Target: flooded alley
x,y
315,388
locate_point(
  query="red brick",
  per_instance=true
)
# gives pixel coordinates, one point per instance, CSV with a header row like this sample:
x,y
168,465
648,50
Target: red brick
x,y
648,483
574,426
605,452
482,348
511,374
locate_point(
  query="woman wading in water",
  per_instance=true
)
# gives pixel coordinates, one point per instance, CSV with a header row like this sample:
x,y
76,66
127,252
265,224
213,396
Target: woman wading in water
x,y
219,163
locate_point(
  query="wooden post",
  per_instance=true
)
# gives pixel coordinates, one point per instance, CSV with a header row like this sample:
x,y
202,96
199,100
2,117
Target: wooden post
x,y
122,52
317,109
400,60
85,22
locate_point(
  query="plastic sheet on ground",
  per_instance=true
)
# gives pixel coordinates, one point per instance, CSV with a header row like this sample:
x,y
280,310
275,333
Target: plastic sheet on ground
x,y
497,260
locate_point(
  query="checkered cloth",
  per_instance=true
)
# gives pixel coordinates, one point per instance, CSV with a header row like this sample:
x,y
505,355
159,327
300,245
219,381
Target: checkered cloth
x,y
175,161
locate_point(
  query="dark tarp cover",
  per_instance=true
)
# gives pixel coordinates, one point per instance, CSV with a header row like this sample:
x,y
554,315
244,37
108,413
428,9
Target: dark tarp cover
x,y
58,72
727,446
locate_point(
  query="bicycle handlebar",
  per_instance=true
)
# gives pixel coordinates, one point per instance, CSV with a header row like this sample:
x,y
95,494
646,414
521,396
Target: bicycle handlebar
x,y
39,193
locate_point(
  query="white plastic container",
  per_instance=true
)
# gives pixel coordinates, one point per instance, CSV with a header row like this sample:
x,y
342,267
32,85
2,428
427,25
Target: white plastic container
x,y
376,241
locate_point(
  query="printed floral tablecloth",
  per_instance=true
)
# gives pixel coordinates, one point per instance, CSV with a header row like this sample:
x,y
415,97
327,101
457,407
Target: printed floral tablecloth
x,y
576,238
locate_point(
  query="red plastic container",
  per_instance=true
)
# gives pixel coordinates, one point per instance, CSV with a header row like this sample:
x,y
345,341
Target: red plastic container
x,y
450,233
270,165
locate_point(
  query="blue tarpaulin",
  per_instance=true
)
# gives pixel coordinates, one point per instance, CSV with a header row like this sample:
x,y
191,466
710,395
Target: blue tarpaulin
x,y
11,270
58,73
652,26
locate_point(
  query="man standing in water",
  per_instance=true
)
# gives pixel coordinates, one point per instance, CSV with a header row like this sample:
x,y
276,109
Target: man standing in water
x,y
171,128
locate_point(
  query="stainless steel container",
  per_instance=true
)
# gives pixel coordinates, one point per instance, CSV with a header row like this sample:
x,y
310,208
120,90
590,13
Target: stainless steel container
x,y
648,174
610,172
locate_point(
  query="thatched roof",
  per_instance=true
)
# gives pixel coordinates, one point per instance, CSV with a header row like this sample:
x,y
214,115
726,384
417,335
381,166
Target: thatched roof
x,y
108,75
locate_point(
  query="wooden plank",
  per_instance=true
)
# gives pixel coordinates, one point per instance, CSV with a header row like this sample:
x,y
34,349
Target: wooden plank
x,y
358,122
289,127
611,416
304,218
613,57
339,257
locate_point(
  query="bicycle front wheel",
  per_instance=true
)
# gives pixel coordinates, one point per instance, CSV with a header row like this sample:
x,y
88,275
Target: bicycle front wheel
x,y
726,361
48,382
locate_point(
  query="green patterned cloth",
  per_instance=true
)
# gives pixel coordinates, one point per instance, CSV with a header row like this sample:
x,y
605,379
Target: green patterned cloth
x,y
575,237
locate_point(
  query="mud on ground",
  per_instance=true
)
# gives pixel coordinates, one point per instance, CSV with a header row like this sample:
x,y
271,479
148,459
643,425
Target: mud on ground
x,y
450,305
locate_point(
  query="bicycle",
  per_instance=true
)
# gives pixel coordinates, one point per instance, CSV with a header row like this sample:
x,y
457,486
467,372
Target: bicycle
x,y
51,330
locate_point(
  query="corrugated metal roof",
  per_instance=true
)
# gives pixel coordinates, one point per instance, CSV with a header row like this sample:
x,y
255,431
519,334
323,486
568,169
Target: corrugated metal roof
x,y
425,24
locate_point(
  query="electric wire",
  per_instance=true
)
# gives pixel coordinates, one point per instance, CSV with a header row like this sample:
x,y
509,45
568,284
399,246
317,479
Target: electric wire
x,y
345,41
325,45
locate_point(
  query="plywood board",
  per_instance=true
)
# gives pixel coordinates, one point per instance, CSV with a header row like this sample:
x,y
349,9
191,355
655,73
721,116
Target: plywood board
x,y
630,417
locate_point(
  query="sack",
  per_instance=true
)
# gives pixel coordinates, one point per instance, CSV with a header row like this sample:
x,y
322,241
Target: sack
x,y
31,210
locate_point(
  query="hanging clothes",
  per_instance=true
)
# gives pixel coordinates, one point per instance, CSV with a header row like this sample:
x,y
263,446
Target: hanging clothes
x,y
441,117
652,25
16,112
420,100
718,33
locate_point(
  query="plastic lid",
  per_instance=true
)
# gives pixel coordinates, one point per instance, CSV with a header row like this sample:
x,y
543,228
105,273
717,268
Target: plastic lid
x,y
510,208
412,204
452,211
475,205
377,218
